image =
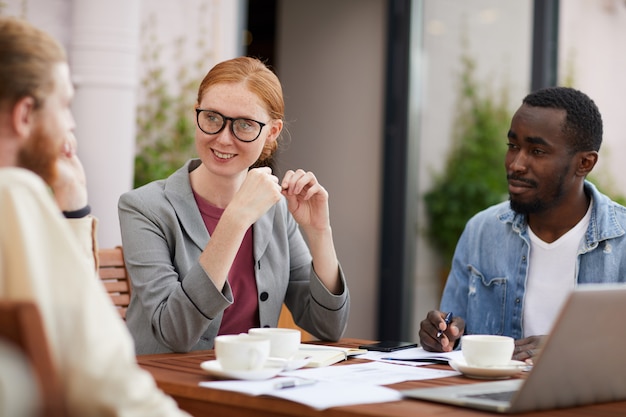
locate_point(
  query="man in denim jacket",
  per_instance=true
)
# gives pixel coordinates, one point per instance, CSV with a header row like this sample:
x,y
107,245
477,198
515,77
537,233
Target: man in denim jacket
x,y
517,261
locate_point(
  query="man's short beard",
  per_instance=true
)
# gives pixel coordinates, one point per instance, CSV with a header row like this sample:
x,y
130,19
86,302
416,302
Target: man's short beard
x,y
527,208
539,205
40,155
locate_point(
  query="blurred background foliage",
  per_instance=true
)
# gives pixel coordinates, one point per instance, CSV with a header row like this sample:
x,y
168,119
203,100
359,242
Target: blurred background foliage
x,y
474,176
165,114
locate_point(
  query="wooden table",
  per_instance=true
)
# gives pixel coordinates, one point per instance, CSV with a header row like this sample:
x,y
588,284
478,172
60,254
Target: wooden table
x,y
179,374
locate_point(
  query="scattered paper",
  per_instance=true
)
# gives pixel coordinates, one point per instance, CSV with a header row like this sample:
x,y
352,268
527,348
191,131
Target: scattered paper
x,y
370,373
322,395
343,385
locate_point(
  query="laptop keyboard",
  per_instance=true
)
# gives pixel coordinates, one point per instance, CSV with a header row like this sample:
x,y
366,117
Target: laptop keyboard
x,y
497,396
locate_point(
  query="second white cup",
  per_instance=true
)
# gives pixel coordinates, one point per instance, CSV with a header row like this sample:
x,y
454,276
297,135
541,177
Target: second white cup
x,y
484,351
284,343
241,352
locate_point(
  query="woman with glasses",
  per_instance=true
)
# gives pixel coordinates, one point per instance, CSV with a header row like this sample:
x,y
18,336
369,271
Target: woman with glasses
x,y
217,248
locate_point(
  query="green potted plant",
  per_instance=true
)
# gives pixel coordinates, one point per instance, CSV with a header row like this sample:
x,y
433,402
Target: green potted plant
x,y
474,176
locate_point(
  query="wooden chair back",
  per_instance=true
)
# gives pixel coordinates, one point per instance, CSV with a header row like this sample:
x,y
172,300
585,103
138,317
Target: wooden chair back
x,y
21,325
285,320
114,276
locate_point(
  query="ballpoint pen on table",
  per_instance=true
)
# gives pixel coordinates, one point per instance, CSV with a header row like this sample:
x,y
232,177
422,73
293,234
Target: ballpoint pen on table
x,y
294,383
435,361
447,320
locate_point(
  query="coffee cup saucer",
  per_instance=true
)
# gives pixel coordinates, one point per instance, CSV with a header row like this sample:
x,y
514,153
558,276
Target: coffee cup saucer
x,y
214,368
491,372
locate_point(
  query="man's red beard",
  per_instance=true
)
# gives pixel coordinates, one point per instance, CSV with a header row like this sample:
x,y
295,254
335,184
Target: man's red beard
x,y
40,155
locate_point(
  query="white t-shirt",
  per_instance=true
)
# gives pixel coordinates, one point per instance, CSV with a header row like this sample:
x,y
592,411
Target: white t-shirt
x,y
551,277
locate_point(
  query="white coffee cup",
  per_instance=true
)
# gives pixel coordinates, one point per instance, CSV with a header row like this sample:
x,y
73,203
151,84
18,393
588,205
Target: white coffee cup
x,y
284,343
481,350
241,352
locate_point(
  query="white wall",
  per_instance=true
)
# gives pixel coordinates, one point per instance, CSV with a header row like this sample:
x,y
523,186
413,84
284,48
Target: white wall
x,y
591,54
331,61
103,48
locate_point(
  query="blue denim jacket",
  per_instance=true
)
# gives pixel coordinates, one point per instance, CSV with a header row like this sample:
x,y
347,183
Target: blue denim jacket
x,y
487,281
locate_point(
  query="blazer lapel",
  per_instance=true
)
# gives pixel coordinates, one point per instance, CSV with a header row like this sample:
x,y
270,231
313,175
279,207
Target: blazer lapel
x,y
262,229
178,192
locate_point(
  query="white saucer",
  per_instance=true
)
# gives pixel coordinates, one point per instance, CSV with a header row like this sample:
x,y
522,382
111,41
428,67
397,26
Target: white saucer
x,y
500,372
214,368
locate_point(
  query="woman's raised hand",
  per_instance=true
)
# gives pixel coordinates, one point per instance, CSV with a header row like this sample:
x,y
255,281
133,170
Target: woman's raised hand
x,y
307,199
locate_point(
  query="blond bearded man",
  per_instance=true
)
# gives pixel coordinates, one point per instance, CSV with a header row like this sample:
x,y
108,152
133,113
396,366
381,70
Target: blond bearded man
x,y
47,258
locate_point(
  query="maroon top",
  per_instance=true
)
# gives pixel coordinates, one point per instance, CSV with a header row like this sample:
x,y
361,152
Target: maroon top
x,y
243,314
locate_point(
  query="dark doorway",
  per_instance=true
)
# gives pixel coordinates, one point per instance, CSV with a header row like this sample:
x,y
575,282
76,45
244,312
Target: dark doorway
x,y
260,36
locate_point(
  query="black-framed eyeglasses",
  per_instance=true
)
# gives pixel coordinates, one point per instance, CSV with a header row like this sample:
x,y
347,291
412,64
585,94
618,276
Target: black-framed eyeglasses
x,y
212,123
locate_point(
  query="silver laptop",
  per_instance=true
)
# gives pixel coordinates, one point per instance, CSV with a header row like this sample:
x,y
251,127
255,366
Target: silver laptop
x,y
583,361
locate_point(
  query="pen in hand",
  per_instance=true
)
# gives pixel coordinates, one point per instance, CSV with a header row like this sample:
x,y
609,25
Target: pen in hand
x,y
447,320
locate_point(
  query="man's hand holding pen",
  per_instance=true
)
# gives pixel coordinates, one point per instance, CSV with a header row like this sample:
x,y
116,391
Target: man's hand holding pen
x,y
440,331
446,322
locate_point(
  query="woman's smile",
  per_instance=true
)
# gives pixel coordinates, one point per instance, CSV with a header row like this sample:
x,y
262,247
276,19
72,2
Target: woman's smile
x,y
221,155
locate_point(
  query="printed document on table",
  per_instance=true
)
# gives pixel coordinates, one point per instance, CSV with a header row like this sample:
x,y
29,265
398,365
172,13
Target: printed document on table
x,y
321,395
370,373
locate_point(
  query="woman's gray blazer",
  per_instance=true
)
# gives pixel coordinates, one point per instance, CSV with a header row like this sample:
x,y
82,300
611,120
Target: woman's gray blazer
x,y
174,305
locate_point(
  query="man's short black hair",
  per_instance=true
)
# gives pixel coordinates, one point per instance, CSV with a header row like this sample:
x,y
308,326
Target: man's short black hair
x,y
583,122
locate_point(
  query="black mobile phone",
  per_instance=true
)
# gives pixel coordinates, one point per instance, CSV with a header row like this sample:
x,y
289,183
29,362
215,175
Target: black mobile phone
x,y
388,346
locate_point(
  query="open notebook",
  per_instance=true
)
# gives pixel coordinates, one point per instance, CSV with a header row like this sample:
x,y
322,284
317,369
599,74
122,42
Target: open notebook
x,y
322,355
582,362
